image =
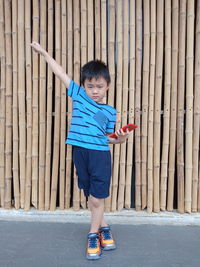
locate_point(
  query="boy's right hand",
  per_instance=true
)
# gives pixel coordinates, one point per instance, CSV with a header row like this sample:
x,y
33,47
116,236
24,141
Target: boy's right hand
x,y
37,48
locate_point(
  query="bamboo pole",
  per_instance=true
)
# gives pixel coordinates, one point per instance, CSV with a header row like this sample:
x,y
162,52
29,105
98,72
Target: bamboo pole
x,y
138,184
189,105
131,106
42,107
145,92
166,112
90,6
111,65
83,61
196,116
8,144
28,104
118,102
49,107
63,108
111,50
104,31
97,19
21,99
69,106
180,108
173,108
15,109
56,144
125,62
157,110
76,192
35,110
2,103
151,108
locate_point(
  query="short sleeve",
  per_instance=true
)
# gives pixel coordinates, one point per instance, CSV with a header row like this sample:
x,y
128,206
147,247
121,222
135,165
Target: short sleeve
x,y
74,90
111,124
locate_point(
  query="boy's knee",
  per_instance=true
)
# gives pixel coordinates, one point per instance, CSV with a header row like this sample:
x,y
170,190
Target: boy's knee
x,y
96,202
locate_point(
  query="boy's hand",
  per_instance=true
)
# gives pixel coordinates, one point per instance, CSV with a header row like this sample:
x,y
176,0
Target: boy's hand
x,y
121,137
37,48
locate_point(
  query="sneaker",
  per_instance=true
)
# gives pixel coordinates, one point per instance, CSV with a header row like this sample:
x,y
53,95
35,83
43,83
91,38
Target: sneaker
x,y
93,248
106,238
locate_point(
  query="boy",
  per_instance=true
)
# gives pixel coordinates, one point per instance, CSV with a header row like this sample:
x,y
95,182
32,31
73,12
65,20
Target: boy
x,y
92,122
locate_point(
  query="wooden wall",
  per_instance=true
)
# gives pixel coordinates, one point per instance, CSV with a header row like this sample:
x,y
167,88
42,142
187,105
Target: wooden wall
x,y
152,48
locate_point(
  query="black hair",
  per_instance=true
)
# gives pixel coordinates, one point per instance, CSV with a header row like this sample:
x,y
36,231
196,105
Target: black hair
x,y
94,69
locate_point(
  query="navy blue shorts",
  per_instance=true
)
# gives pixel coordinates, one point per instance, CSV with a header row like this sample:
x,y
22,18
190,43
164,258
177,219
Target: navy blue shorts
x,y
94,171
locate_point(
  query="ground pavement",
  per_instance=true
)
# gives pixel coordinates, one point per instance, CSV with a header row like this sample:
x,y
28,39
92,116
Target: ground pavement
x,y
60,240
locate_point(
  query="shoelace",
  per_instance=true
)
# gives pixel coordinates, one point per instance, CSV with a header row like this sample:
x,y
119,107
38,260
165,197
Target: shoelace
x,y
93,242
107,235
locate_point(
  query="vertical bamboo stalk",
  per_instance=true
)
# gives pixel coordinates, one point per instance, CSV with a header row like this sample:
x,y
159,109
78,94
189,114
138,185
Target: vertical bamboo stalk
x,y
83,60
138,189
180,107
35,131
151,107
8,144
15,108
90,5
28,104
69,106
131,106
76,195
104,31
56,143
122,173
63,108
111,50
196,116
166,115
173,108
157,111
2,102
189,105
170,196
111,65
49,107
97,18
118,102
145,92
42,107
21,99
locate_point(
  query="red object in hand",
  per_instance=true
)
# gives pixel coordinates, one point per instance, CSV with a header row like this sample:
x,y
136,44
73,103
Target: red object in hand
x,y
130,127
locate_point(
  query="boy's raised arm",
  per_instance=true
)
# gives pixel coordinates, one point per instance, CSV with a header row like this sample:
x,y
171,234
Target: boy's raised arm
x,y
56,68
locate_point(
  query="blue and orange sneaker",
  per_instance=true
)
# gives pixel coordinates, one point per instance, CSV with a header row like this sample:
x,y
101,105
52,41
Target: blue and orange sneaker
x,y
93,249
106,239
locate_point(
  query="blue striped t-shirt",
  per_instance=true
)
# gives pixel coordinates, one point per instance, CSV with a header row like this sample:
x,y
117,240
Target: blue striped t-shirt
x,y
90,120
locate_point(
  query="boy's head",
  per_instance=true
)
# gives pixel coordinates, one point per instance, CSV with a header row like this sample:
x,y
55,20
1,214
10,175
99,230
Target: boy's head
x,y
95,69
95,78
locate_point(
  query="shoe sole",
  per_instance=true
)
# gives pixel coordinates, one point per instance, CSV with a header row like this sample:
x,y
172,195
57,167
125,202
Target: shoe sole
x,y
93,257
109,248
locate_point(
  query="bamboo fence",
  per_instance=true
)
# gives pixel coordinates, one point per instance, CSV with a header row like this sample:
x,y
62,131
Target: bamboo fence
x,y
152,50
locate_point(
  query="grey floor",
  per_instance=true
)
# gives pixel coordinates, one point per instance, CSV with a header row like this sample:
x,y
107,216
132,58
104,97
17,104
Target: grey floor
x,y
35,244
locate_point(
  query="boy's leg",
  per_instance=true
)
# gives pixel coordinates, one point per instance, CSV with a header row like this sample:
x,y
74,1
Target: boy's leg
x,y
97,210
103,222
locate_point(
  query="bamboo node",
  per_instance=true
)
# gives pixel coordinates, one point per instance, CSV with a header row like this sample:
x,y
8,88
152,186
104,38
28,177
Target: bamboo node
x,y
8,153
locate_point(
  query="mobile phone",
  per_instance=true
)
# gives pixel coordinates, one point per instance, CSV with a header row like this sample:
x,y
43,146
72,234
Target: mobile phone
x,y
130,127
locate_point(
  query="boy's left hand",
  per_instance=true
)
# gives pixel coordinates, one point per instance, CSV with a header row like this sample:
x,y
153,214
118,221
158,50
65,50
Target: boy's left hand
x,y
121,136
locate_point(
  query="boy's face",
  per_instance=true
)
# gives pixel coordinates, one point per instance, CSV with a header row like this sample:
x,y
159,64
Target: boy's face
x,y
96,89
